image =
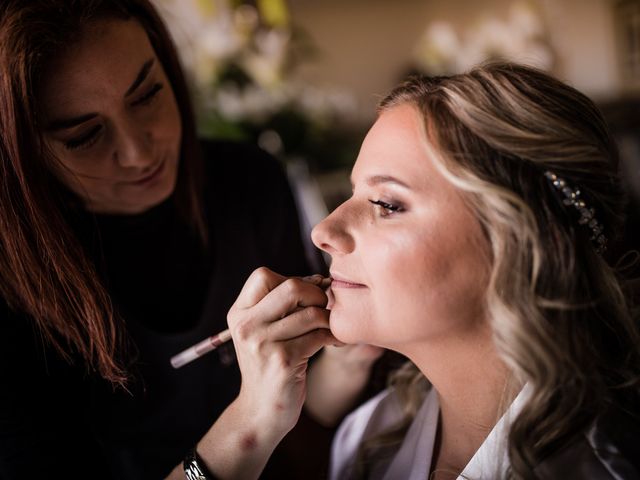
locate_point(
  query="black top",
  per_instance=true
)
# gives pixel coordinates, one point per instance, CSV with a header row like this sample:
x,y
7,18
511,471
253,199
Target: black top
x,y
606,449
57,422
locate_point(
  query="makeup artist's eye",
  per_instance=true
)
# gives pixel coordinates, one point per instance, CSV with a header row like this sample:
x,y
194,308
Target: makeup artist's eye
x,y
149,96
385,209
85,140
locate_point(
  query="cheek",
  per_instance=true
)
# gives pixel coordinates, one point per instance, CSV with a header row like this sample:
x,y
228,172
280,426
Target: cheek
x,y
82,175
352,323
391,268
426,286
443,286
423,283
406,289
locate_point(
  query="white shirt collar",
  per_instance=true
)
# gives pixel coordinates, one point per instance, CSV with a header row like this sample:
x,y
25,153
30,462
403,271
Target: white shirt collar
x,y
413,460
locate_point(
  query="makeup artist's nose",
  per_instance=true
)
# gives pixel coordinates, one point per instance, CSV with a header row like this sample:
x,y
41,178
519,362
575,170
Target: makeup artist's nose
x,y
331,235
135,148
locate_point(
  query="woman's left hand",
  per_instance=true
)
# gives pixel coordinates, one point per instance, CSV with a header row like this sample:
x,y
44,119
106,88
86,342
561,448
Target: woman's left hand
x,y
337,379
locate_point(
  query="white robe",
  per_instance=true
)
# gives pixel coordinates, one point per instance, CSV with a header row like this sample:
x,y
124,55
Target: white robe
x,y
412,460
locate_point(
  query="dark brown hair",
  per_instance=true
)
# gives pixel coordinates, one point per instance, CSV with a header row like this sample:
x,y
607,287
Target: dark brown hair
x,y
44,271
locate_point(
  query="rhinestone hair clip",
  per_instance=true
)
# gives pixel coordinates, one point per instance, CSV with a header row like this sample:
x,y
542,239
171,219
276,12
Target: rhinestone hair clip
x,y
587,215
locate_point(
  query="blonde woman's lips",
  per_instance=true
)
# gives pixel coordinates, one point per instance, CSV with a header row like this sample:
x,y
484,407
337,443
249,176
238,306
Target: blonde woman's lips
x,y
338,281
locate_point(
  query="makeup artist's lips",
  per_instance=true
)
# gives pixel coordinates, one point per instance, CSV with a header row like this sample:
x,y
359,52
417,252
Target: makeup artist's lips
x,y
152,176
338,281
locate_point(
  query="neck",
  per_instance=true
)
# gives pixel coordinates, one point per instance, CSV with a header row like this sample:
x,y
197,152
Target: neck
x,y
472,384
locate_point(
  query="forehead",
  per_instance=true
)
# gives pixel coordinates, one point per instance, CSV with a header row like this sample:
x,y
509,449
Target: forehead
x,y
396,144
103,63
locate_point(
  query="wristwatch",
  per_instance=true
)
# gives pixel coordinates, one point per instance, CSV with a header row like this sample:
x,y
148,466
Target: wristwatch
x,y
194,468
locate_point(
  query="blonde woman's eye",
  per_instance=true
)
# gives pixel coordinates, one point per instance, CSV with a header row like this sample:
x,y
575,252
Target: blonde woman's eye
x,y
385,208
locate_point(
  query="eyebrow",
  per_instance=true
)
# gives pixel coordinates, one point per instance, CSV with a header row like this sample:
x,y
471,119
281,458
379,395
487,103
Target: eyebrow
x,y
65,123
379,179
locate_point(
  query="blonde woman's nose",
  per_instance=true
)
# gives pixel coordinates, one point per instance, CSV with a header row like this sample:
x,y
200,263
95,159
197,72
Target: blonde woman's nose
x,y
332,236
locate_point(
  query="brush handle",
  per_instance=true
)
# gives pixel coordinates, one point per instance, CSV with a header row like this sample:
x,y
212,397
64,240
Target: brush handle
x,y
213,342
200,348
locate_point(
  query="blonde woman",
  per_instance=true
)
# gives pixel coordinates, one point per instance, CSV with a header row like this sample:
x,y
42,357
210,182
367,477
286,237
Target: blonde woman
x,y
479,242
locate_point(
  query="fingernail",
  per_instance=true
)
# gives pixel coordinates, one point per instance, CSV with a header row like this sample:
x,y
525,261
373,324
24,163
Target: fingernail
x,y
316,279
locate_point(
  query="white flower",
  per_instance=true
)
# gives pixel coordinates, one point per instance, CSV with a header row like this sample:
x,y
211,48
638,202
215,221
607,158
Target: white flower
x,y
524,19
518,38
437,47
250,103
324,105
211,35
265,63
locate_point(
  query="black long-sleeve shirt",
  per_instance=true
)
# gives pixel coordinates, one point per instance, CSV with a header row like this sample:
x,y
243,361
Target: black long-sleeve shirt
x,y
58,422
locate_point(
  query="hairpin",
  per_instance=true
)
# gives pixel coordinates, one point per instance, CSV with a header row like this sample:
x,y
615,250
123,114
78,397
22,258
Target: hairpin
x,y
587,214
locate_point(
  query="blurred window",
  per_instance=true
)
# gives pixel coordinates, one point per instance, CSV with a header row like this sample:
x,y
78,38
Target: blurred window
x,y
628,26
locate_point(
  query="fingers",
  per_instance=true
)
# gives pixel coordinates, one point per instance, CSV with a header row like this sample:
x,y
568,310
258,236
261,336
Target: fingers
x,y
262,281
290,295
298,323
269,296
308,345
258,285
273,309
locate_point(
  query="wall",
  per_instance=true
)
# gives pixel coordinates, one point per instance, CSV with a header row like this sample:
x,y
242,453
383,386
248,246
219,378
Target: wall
x,y
366,44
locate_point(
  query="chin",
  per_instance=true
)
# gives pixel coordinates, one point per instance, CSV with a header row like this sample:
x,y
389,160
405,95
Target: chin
x,y
162,191
346,328
166,189
153,199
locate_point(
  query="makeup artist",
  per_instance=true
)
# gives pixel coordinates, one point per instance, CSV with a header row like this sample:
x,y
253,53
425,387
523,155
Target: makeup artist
x,y
124,240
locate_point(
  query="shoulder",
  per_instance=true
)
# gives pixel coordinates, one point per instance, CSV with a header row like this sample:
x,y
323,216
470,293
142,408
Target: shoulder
x,y
607,449
374,415
377,414
249,202
239,165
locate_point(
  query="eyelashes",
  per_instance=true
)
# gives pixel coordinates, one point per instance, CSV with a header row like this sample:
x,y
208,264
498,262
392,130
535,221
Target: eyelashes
x,y
85,140
386,209
88,139
150,95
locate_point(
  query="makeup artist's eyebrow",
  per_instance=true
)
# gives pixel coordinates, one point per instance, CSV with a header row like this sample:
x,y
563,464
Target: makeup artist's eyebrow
x,y
65,123
144,71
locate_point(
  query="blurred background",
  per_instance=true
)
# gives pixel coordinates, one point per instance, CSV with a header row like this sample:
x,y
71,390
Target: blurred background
x,y
302,77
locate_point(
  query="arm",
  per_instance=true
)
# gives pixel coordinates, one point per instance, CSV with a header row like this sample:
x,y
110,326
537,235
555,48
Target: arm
x,y
277,324
337,379
238,444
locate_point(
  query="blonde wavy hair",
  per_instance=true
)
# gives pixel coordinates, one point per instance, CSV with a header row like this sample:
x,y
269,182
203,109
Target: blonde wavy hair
x,y
560,316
